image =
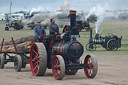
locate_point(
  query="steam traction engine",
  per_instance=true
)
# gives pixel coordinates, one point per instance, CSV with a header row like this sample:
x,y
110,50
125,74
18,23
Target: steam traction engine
x,y
109,42
62,53
16,24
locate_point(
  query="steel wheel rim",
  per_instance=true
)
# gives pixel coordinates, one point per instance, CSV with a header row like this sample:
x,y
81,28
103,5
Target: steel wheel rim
x,y
34,60
88,70
56,67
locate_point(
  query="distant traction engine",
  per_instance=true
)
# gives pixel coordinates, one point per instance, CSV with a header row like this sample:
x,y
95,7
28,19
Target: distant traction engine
x,y
109,42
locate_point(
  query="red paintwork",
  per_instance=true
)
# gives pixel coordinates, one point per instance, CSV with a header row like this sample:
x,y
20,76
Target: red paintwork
x,y
88,71
34,59
42,37
65,29
53,39
57,70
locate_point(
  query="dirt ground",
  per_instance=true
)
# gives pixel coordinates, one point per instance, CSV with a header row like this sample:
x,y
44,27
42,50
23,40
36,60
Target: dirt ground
x,y
112,70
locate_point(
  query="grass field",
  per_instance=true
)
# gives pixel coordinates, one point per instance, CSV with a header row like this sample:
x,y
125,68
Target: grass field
x,y
119,28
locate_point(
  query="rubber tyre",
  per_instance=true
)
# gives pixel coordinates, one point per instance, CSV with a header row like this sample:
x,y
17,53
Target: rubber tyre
x,y
17,63
2,62
58,67
91,62
38,59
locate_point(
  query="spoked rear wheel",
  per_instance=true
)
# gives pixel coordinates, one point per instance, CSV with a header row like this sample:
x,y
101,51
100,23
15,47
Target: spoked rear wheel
x,y
38,59
17,63
58,67
92,66
2,61
112,44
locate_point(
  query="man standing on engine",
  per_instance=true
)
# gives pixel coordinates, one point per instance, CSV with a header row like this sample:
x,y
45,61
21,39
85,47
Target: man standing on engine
x,y
39,30
53,28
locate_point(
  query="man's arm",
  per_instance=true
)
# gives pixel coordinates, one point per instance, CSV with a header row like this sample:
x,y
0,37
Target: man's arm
x,y
57,29
44,32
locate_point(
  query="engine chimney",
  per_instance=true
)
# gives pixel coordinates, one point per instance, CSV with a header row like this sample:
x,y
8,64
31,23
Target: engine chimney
x,y
74,30
73,18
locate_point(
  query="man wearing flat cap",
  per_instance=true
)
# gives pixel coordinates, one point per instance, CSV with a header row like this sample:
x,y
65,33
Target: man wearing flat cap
x,y
39,30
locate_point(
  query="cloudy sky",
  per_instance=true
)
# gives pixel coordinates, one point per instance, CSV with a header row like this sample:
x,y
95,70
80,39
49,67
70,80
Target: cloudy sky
x,y
53,5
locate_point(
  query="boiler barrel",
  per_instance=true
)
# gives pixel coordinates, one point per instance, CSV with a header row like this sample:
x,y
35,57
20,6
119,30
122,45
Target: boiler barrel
x,y
69,49
98,41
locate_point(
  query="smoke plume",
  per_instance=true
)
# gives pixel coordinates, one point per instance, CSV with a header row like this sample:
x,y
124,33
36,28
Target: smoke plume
x,y
99,11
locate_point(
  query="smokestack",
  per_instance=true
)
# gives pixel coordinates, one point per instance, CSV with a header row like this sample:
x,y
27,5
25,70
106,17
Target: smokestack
x,y
90,33
72,18
73,28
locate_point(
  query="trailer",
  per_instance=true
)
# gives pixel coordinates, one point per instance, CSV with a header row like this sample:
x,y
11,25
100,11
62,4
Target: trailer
x,y
20,59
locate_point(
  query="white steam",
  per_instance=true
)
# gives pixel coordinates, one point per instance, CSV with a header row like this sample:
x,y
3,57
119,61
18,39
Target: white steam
x,y
36,10
65,6
99,11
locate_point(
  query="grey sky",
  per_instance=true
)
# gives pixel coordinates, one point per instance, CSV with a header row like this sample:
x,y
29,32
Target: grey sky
x,y
53,5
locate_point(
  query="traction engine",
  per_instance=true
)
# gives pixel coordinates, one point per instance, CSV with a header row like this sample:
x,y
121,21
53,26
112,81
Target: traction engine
x,y
62,53
109,42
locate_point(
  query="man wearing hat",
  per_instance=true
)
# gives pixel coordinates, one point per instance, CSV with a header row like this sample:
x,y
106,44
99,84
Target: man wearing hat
x,y
39,30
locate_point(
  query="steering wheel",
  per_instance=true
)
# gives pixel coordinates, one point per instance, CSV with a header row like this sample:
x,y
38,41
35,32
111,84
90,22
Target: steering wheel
x,y
42,37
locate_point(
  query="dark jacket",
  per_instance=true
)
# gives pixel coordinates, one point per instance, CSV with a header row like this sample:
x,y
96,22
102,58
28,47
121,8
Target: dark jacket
x,y
53,28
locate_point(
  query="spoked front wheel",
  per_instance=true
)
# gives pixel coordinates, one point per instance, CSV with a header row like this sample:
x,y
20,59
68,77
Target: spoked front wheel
x,y
58,67
92,66
90,47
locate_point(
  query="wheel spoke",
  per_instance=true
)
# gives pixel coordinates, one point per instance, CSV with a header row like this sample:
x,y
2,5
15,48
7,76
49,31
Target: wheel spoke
x,y
35,68
90,66
35,52
90,72
33,60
